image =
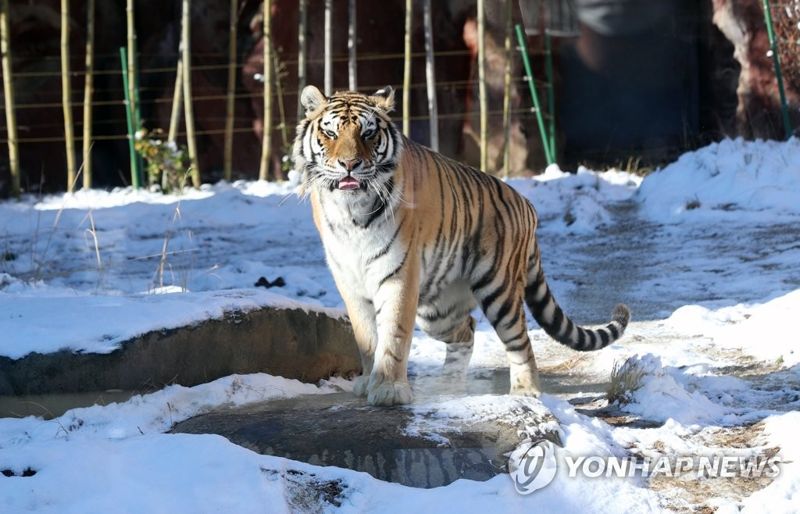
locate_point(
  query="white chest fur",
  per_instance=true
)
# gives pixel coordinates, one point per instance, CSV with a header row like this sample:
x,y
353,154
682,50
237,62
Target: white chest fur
x,y
359,256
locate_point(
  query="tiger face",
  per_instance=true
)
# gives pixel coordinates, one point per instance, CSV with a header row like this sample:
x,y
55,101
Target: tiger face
x,y
347,142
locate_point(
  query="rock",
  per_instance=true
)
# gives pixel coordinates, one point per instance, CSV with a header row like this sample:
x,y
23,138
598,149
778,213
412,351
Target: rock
x,y
426,444
292,343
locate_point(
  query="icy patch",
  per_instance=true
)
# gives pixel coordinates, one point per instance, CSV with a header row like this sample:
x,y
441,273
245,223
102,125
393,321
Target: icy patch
x,y
722,180
432,418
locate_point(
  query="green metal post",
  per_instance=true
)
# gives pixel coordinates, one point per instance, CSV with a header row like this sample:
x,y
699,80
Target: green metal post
x,y
135,182
532,86
551,100
773,45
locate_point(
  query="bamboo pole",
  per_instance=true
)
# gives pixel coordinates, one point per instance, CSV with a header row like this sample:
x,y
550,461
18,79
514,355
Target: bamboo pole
x,y
551,101
523,50
138,115
276,67
507,91
266,137
430,75
231,92
351,46
175,115
66,96
328,47
302,52
484,117
131,64
188,110
177,103
129,118
8,97
407,68
186,59
776,62
132,89
88,90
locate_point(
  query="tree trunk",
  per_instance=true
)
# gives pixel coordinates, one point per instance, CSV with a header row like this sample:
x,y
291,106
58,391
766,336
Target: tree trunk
x,y
88,90
186,53
507,93
328,47
66,97
231,92
8,96
302,52
266,137
407,68
351,46
430,76
484,118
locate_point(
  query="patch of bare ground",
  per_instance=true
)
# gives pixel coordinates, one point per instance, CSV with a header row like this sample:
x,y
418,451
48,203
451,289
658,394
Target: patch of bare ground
x,y
696,489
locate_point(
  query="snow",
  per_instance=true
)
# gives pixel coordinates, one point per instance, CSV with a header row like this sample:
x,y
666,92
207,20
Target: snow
x,y
713,290
662,397
783,494
575,202
726,180
128,316
759,330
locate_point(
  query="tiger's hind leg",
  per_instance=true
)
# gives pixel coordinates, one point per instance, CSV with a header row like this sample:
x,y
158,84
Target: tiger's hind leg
x,y
505,311
459,349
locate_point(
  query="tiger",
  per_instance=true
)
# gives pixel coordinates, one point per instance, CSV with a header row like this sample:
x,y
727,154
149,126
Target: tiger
x,y
411,236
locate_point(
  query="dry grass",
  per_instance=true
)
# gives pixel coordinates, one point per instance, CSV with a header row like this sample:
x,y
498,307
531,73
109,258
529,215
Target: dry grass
x,y
625,379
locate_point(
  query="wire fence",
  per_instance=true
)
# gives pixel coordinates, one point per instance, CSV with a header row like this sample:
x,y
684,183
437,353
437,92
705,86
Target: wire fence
x,y
457,84
241,130
166,90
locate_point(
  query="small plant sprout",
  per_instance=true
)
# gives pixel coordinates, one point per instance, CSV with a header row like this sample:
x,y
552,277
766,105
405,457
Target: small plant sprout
x,y
167,162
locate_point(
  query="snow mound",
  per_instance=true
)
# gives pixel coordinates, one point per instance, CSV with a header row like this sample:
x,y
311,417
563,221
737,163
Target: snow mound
x,y
662,395
576,202
758,330
721,180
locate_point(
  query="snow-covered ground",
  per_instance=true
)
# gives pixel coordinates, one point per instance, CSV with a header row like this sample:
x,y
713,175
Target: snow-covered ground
x,y
706,252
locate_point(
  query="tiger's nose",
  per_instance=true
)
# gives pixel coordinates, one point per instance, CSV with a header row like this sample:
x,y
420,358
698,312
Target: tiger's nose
x,y
349,164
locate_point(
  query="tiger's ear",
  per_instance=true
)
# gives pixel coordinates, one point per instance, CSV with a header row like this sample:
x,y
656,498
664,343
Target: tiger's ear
x,y
384,98
311,99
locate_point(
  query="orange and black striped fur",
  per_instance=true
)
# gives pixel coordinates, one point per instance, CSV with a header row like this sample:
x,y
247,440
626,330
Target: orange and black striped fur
x,y
411,235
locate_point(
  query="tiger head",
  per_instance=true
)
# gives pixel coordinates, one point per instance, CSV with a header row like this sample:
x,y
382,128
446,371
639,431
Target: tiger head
x,y
347,142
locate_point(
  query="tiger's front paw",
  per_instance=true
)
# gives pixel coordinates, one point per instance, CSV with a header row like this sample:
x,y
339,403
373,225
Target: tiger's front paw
x,y
389,393
360,385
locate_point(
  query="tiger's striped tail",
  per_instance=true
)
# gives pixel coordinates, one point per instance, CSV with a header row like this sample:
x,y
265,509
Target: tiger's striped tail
x,y
555,322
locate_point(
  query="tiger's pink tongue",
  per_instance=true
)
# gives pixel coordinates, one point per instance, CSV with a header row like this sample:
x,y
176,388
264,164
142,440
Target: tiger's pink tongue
x,y
349,183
